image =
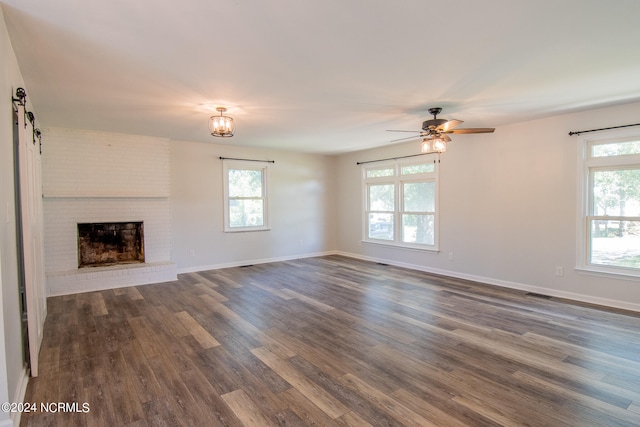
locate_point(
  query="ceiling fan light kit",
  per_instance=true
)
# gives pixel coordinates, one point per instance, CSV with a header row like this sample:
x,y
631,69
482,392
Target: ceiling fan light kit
x,y
221,126
434,145
434,132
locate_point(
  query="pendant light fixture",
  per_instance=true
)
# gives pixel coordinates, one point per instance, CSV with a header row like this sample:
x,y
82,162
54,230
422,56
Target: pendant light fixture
x,y
221,126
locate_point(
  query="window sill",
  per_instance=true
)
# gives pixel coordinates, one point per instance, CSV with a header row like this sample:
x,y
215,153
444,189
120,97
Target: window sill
x,y
422,248
610,273
246,229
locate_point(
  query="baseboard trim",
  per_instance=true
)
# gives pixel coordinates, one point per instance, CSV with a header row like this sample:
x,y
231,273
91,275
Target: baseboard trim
x,y
9,422
20,393
589,299
253,261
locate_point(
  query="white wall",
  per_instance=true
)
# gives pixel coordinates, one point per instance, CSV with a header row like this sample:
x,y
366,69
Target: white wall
x,y
12,374
301,207
508,208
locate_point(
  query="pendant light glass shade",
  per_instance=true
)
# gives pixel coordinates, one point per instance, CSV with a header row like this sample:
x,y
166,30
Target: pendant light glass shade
x,y
221,126
434,145
438,145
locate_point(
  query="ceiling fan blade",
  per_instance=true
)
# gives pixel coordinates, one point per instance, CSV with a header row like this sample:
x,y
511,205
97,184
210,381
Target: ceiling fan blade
x,y
445,138
450,124
395,130
472,130
408,138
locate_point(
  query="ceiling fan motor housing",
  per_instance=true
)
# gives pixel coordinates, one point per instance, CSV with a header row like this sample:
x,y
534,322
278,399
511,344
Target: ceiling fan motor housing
x,y
432,123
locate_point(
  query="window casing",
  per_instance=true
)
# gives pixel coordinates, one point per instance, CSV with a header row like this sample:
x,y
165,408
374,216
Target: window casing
x,y
400,203
609,226
245,196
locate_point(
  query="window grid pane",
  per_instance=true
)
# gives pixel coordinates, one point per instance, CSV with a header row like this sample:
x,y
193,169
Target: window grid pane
x,y
615,192
418,196
380,172
380,226
415,169
381,197
615,149
418,229
245,183
615,243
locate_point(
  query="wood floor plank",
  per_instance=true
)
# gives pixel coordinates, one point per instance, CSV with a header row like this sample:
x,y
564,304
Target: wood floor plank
x,y
245,409
585,399
327,403
175,393
133,293
206,396
352,419
144,333
201,335
312,302
280,293
427,410
304,409
210,292
261,393
397,410
140,372
335,341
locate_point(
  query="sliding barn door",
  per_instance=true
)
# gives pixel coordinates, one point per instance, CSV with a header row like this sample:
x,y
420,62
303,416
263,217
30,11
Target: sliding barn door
x,y
30,199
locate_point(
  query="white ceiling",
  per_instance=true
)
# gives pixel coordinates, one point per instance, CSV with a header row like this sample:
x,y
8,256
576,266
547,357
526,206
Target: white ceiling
x,y
321,76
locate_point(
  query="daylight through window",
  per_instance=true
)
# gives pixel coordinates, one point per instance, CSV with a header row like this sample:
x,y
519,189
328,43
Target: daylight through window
x,y
611,214
245,191
400,202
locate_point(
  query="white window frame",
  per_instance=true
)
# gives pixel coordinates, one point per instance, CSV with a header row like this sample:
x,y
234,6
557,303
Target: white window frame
x,y
227,165
586,164
398,180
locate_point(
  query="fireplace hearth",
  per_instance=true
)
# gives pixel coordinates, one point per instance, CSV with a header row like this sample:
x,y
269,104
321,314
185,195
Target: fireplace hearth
x,y
110,243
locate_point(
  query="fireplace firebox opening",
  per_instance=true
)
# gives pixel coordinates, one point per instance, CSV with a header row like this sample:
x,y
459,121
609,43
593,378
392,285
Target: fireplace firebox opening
x,y
110,243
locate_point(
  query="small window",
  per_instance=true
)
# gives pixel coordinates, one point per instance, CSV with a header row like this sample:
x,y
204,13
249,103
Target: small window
x,y
245,194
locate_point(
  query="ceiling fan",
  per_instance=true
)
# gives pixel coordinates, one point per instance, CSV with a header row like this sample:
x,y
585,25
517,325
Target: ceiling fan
x,y
434,132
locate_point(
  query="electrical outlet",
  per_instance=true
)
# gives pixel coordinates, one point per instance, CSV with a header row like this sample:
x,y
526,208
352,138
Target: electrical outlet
x,y
559,271
450,256
192,252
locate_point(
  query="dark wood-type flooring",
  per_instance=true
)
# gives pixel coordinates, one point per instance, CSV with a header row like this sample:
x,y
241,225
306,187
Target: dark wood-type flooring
x,y
334,341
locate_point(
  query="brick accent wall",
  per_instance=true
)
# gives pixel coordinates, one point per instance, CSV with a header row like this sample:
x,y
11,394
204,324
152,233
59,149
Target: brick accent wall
x,y
93,176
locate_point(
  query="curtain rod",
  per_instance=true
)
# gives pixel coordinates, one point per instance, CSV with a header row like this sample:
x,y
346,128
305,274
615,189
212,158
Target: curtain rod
x,y
247,160
393,158
595,130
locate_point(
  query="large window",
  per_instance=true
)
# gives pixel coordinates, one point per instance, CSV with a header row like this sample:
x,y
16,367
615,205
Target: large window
x,y
245,196
400,202
610,235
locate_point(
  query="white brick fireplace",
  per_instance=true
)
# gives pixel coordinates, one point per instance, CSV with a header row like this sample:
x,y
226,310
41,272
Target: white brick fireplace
x,y
93,177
